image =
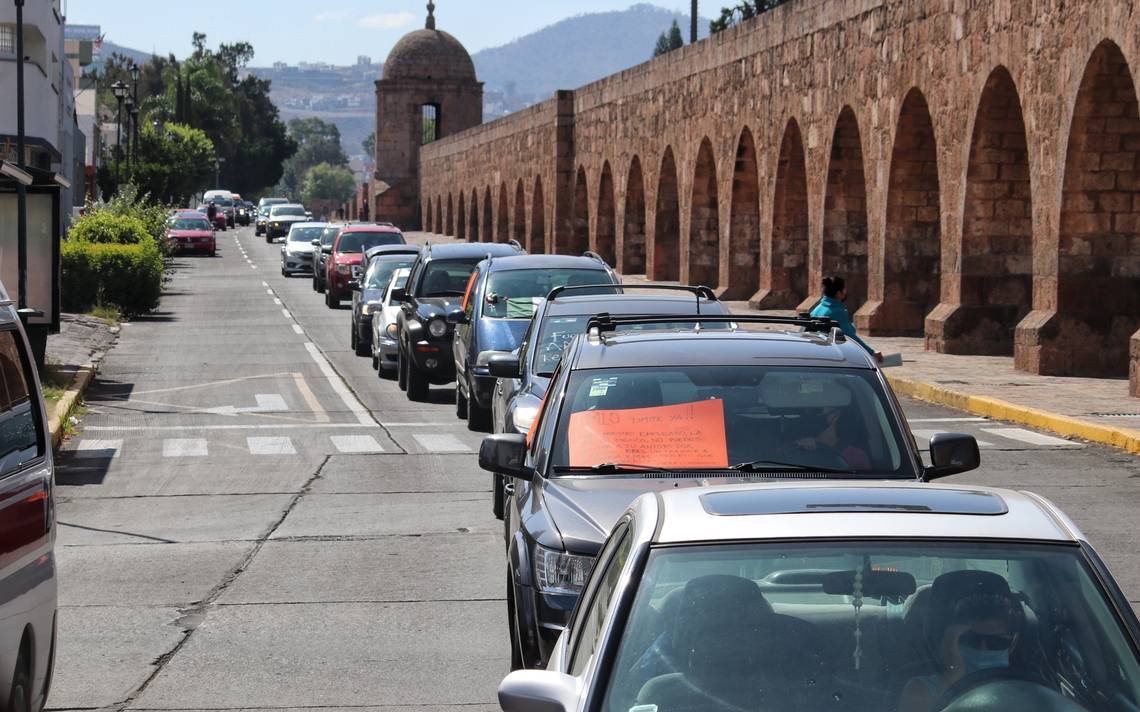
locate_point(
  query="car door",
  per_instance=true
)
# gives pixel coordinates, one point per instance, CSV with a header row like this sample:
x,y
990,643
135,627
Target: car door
x,y
466,332
586,624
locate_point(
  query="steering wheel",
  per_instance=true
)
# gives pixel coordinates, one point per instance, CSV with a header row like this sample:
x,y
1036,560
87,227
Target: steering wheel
x,y
1003,688
821,455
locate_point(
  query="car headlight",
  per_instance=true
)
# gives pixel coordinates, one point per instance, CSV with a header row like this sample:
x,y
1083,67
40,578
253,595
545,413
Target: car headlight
x,y
370,308
344,269
437,327
392,330
524,417
559,572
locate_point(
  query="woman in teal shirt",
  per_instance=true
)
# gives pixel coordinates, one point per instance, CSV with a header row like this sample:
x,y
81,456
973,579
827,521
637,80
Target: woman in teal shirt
x,y
832,307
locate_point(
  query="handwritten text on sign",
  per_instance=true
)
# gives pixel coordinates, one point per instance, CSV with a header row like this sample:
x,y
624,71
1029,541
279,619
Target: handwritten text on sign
x,y
672,436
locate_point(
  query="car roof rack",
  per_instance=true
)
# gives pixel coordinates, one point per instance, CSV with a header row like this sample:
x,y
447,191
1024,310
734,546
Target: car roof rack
x,y
516,243
698,291
595,256
821,325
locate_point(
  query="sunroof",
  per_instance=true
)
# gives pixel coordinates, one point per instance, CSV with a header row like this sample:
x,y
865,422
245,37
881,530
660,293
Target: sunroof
x,y
852,499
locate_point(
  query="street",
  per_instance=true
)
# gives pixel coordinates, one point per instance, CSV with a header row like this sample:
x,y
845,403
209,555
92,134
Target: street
x,y
250,518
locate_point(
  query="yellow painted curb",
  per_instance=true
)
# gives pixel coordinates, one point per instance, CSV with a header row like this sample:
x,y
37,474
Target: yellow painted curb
x,y
79,385
1123,438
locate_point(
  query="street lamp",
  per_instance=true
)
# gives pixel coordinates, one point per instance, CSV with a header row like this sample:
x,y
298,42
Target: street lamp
x,y
135,112
21,189
119,89
218,171
130,107
134,160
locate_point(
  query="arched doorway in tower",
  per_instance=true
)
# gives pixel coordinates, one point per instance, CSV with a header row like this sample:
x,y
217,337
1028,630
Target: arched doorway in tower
x,y
784,285
997,226
667,228
1098,291
744,224
503,231
427,215
845,211
633,227
474,224
518,230
449,225
912,263
487,232
704,221
579,238
438,215
606,234
461,220
537,219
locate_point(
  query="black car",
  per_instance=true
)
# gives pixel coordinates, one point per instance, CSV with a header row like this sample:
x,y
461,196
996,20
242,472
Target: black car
x,y
629,412
497,308
522,377
368,291
435,288
322,248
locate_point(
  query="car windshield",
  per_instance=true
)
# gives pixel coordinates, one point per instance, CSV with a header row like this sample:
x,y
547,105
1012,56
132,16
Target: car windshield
x,y
446,278
189,224
329,235
305,234
288,211
512,294
382,268
876,626
760,418
399,282
353,243
223,202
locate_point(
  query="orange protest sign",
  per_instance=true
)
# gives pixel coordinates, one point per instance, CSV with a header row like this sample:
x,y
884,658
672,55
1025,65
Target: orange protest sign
x,y
672,436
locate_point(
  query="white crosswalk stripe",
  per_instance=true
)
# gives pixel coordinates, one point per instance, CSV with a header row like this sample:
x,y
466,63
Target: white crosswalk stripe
x,y
356,444
441,443
185,447
271,446
98,449
1028,436
923,437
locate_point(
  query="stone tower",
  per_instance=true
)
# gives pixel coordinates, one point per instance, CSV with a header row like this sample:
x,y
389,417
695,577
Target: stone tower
x,y
428,91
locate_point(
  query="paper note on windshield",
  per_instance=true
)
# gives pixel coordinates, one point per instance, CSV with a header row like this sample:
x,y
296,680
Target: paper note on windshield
x,y
670,436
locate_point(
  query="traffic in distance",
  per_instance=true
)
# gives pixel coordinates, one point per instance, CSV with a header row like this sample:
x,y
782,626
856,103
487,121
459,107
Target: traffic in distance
x,y
704,510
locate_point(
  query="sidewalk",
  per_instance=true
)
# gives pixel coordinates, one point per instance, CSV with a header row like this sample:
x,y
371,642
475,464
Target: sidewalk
x,y
74,353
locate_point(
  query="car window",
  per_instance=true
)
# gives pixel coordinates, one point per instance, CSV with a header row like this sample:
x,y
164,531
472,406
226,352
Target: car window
x,y
512,294
354,243
305,234
399,282
468,294
382,268
714,417
189,224
20,439
329,235
287,211
445,278
874,625
598,598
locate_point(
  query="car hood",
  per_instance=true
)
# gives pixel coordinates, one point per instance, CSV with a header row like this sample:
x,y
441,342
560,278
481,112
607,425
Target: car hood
x,y
349,258
439,301
290,218
501,334
298,248
190,233
371,295
584,509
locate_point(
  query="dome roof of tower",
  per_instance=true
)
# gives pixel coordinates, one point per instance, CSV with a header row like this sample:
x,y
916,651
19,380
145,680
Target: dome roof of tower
x,y
429,54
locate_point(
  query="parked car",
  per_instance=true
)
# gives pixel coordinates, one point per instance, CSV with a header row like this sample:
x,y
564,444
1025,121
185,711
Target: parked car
x,y
522,377
423,333
368,291
297,252
191,231
631,411
345,261
321,251
497,308
225,206
384,345
28,590
262,213
281,218
846,596
220,221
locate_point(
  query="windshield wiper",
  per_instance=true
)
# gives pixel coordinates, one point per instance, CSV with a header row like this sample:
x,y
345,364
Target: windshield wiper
x,y
445,294
769,465
616,468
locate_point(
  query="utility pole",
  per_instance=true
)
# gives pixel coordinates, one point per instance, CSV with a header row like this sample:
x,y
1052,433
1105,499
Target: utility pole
x,y
693,24
21,189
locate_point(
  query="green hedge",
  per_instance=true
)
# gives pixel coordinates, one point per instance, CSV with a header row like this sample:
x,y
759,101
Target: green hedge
x,y
105,227
127,276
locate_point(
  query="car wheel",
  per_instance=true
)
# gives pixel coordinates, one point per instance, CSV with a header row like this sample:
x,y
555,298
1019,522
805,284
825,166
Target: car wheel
x,y
375,362
268,239
402,371
20,698
417,383
321,286
460,403
331,300
512,626
497,496
362,348
284,273
478,417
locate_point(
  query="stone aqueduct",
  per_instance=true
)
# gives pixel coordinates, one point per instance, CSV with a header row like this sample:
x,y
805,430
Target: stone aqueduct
x,y
971,166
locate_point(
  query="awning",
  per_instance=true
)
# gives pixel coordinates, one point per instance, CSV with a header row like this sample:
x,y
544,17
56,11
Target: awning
x,y
11,174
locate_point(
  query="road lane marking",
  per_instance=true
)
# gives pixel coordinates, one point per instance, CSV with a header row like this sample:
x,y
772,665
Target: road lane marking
x,y
440,443
315,406
185,447
1030,437
947,420
265,284
356,444
269,292
350,401
236,426
287,314
297,328
98,449
271,446
927,434
277,301
417,425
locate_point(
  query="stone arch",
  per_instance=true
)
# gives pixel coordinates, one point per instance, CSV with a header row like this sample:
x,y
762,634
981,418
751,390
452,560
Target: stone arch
x,y
997,226
474,224
537,219
487,231
518,230
785,284
744,222
912,248
633,229
1098,290
450,224
579,238
438,214
704,220
461,221
427,215
845,211
667,225
504,227
606,232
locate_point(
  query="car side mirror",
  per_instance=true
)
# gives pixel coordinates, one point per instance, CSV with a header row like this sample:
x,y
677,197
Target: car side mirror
x,y
950,454
505,454
315,243
354,285
504,365
456,316
399,295
538,691
327,249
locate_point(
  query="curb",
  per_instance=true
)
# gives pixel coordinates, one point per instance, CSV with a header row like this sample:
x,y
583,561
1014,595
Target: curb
x,y
1123,438
83,378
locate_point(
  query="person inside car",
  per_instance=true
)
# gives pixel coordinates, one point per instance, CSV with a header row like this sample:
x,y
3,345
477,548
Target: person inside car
x,y
831,305
833,431
972,626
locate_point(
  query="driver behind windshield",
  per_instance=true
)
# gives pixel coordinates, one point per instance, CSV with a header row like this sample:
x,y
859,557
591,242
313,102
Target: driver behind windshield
x,y
972,627
832,430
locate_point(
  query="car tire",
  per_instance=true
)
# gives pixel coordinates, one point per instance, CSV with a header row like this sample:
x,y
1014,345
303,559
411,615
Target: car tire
x,y
401,371
512,626
478,417
268,239
331,301
498,497
320,286
284,273
20,697
417,383
362,348
461,403
375,361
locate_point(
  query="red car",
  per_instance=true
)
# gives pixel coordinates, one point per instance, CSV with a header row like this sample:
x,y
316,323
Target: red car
x,y
220,220
344,262
192,232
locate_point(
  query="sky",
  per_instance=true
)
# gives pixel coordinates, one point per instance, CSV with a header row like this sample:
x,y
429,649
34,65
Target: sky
x,y
334,31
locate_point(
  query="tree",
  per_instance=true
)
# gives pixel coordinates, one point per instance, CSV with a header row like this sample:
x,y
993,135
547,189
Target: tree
x,y
743,10
325,182
369,145
667,42
317,142
173,162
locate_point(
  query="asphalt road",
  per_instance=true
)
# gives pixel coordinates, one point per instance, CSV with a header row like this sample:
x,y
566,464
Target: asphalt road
x,y
250,518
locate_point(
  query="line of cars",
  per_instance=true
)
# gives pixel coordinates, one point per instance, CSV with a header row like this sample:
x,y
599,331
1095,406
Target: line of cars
x,y
711,511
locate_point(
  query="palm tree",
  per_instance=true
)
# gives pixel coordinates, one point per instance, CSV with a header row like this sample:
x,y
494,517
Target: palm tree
x,y
693,23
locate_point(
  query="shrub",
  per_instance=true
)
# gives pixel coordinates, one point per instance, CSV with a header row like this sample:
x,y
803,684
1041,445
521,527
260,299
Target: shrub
x,y
128,276
107,228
